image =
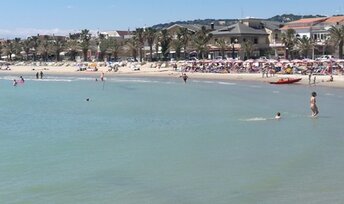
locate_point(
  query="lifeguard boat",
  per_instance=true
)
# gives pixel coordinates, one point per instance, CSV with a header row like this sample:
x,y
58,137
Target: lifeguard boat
x,y
286,80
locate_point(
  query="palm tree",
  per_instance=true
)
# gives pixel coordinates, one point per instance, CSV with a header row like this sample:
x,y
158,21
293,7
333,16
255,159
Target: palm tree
x,y
44,47
26,44
140,37
132,44
289,40
185,38
85,38
150,35
337,36
223,44
165,40
9,49
248,48
177,45
114,46
73,45
17,46
304,44
58,45
201,40
34,41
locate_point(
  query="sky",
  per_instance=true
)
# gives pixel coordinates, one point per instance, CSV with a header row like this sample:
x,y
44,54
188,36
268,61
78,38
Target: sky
x,y
23,18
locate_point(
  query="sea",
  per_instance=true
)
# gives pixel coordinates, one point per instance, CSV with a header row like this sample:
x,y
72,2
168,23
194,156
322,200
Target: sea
x,y
162,141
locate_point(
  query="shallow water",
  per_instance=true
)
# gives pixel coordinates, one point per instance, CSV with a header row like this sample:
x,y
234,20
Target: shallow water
x,y
152,140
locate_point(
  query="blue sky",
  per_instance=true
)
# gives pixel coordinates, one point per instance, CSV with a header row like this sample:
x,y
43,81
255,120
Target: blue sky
x,y
29,17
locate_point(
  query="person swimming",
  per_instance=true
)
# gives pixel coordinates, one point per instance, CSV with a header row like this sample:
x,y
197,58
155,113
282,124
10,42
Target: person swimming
x,y
278,115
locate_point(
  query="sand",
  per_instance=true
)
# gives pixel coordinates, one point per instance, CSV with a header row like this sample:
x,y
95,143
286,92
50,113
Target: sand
x,y
147,71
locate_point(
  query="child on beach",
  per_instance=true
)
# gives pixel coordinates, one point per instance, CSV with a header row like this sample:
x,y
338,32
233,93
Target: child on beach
x,y
313,105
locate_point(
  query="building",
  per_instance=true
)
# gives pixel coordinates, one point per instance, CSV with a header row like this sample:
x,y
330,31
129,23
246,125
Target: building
x,y
236,35
118,34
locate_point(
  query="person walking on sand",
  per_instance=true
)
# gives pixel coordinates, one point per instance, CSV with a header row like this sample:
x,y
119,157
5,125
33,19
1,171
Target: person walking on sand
x,y
313,105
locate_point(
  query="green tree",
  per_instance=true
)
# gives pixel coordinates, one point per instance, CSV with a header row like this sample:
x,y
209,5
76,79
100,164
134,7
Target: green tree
x,y
177,45
337,36
304,45
185,38
44,47
223,44
140,38
248,48
85,38
114,46
133,47
289,41
9,49
73,45
165,40
26,45
151,36
200,40
34,43
58,45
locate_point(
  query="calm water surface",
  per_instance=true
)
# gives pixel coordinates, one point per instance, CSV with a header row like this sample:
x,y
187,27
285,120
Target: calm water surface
x,y
160,141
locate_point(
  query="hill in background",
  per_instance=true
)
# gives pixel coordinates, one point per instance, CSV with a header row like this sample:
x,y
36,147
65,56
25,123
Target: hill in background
x,y
285,18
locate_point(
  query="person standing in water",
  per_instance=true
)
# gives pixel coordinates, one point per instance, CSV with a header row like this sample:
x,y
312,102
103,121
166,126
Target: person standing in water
x,y
102,76
185,77
313,105
41,73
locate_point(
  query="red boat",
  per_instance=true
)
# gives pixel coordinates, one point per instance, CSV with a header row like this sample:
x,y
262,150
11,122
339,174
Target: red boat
x,y
286,81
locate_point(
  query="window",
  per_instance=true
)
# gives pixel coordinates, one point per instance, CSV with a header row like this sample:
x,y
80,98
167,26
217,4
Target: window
x,y
255,40
276,36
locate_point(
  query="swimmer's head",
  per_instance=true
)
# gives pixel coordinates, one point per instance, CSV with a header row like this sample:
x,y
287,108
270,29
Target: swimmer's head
x,y
314,94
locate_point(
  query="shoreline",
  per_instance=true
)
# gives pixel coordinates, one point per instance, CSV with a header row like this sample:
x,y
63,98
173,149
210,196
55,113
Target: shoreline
x,y
146,71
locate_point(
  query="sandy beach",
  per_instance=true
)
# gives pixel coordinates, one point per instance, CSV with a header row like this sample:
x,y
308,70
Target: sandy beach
x,y
147,71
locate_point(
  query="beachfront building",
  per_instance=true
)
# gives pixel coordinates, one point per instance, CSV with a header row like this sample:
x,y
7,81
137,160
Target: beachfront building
x,y
316,29
243,41
118,34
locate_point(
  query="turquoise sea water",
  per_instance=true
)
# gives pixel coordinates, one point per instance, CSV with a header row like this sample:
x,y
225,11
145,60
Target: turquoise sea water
x,y
160,141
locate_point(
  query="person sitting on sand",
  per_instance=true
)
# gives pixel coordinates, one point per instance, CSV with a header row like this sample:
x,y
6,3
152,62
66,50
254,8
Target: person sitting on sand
x,y
331,78
278,115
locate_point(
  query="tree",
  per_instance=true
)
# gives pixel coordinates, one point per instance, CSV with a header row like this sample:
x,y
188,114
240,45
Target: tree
x,y
114,46
337,36
132,44
151,36
58,45
140,38
9,49
73,46
185,38
34,42
304,44
248,48
26,45
165,40
85,38
289,40
223,44
201,40
177,44
44,47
